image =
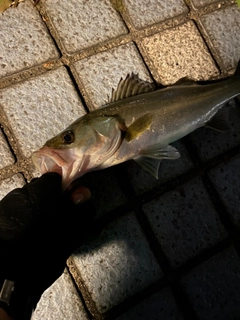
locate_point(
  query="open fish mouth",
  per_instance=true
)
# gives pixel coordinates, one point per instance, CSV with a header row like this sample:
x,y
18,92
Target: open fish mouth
x,y
48,160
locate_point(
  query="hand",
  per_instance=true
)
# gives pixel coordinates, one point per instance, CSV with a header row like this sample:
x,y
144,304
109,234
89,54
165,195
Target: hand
x,y
39,228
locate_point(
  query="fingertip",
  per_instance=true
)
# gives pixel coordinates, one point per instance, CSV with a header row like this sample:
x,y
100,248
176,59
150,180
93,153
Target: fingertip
x,y
80,195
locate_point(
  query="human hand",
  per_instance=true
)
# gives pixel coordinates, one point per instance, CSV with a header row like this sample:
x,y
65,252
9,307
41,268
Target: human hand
x,y
39,228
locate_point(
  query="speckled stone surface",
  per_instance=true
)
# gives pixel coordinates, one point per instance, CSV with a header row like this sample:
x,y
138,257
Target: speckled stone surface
x,y
118,264
214,287
160,305
25,41
185,222
60,302
81,24
226,180
223,29
40,108
179,52
5,153
103,71
7,185
144,13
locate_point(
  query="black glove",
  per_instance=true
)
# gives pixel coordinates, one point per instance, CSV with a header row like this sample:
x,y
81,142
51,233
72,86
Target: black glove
x,y
39,228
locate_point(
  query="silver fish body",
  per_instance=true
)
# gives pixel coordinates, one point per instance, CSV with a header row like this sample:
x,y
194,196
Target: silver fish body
x,y
139,127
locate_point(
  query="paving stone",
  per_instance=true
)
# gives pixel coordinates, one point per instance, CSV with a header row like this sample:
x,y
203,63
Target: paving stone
x,y
82,24
147,13
201,3
103,71
169,169
226,179
61,301
117,264
185,222
5,153
223,30
161,305
179,52
213,287
25,39
40,108
7,185
210,143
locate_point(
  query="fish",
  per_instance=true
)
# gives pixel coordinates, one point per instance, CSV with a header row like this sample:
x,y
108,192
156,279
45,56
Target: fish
x,y
138,122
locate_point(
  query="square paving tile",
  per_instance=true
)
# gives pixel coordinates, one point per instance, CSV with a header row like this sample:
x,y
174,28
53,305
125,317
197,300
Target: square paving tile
x,y
39,108
223,30
144,13
179,52
81,24
25,40
185,222
117,264
7,185
226,179
213,287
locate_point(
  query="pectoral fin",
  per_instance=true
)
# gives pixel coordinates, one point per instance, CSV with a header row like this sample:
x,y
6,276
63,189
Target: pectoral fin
x,y
220,121
159,151
138,127
149,164
150,158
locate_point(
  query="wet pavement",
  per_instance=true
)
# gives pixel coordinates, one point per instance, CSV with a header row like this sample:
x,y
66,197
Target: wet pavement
x,y
168,248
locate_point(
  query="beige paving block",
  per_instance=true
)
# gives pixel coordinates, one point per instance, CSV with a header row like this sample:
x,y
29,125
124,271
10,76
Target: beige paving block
x,y
179,52
102,72
25,41
40,108
6,157
144,13
60,302
7,185
81,24
223,28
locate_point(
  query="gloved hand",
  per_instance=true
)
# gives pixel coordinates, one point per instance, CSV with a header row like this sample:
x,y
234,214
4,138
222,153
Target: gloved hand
x,y
39,228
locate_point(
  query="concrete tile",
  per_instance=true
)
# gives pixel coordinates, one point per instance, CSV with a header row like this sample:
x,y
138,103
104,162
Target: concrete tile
x,y
25,39
161,305
179,52
202,3
105,190
7,185
210,143
142,181
144,13
213,288
117,264
82,24
39,108
61,301
226,179
185,222
223,29
103,71
5,153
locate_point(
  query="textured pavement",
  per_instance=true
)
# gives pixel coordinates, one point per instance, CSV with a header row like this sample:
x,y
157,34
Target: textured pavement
x,y
169,248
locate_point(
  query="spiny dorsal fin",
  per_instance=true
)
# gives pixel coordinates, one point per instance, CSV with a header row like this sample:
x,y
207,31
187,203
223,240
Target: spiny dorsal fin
x,y
132,85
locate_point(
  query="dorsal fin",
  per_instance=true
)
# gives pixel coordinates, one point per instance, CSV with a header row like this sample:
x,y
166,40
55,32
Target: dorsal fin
x,y
132,85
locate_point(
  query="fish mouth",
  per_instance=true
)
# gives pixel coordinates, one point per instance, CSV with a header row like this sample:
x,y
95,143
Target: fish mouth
x,y
48,160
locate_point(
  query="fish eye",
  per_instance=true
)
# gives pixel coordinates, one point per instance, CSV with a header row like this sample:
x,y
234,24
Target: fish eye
x,y
68,137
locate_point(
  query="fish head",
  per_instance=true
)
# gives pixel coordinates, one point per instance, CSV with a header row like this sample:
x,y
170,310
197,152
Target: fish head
x,y
80,148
